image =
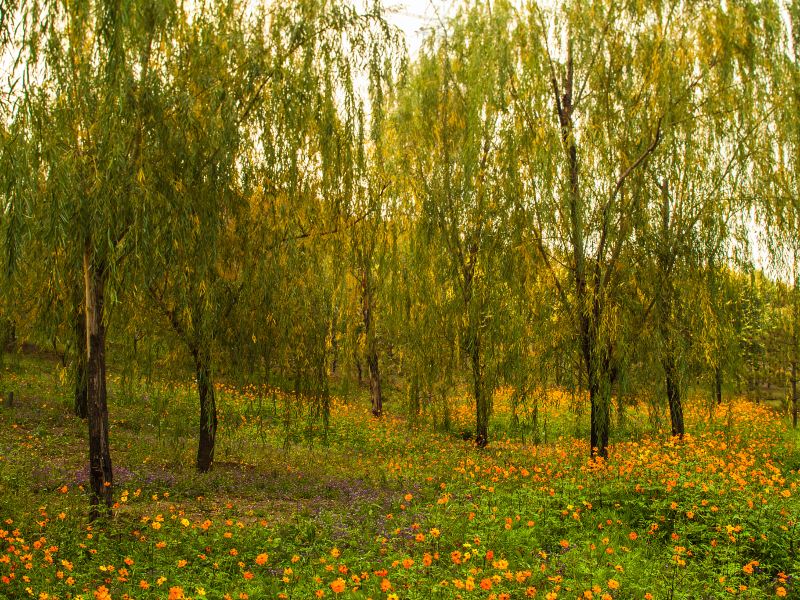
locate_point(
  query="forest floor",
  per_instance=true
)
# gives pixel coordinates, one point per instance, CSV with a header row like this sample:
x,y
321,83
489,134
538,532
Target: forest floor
x,y
393,508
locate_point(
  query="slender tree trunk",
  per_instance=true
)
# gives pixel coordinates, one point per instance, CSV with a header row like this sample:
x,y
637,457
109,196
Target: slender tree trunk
x,y
666,304
599,388
794,394
673,394
375,392
481,398
79,367
208,410
718,383
375,383
600,402
598,376
100,472
795,326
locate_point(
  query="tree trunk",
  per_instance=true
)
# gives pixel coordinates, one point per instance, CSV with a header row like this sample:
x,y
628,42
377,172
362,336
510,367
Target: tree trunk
x,y
718,383
600,401
481,399
794,394
208,410
79,367
673,395
375,383
100,473
375,392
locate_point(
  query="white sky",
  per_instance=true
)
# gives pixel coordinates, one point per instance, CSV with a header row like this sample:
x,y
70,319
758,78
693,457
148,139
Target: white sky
x,y
414,16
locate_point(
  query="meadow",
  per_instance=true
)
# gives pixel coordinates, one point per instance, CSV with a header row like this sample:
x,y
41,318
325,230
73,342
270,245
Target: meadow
x,y
375,509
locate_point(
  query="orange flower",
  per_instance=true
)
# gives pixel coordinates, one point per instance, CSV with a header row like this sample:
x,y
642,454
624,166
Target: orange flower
x,y
176,593
633,536
500,564
262,558
247,575
486,584
338,585
613,584
102,593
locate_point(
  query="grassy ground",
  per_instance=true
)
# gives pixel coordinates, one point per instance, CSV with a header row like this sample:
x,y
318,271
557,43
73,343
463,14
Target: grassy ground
x,y
392,508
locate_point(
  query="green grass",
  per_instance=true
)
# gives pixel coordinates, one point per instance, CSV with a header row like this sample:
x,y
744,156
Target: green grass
x,y
391,507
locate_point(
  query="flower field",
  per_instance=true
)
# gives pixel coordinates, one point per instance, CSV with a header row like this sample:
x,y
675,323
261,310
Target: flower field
x,y
391,509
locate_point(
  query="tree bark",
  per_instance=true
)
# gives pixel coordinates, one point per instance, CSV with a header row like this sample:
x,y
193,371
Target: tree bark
x,y
100,472
79,367
481,399
794,394
672,381
600,401
375,391
588,302
208,410
375,384
718,383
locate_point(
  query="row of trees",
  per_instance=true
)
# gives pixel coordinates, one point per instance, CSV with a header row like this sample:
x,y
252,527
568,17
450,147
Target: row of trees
x,y
544,195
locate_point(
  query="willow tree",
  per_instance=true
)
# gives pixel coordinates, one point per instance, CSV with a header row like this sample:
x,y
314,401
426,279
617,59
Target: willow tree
x,y
455,109
252,151
603,83
372,210
86,80
200,240
777,169
693,187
